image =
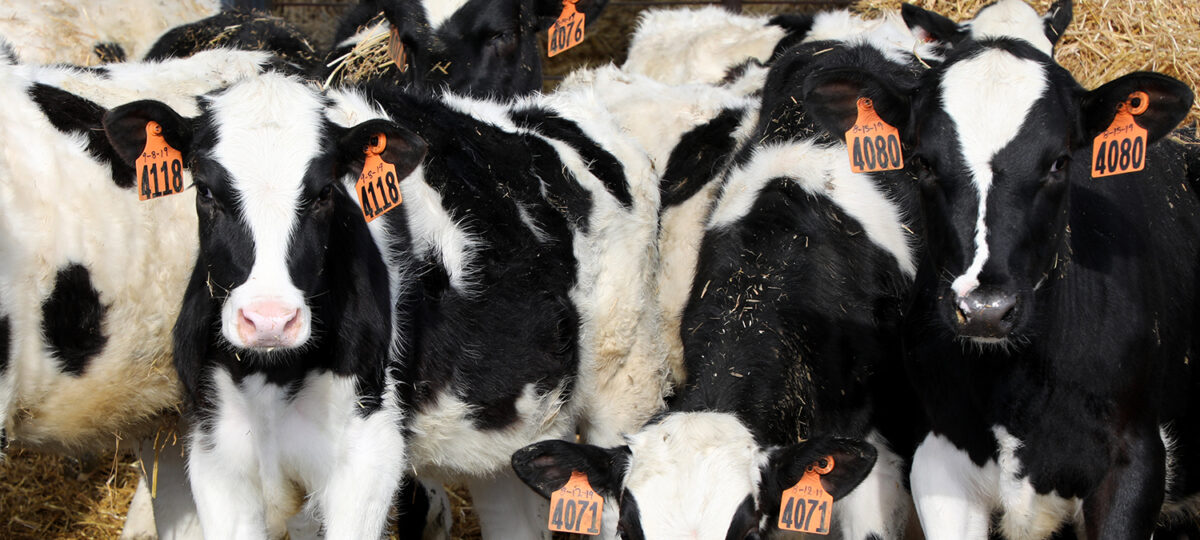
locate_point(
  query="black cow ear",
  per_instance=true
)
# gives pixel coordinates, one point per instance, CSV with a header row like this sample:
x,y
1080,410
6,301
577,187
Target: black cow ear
x,y
1169,102
931,26
852,461
1057,18
832,98
547,11
403,148
546,466
125,127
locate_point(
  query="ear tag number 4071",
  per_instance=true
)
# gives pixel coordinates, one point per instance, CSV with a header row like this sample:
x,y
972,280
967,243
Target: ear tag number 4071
x,y
567,31
576,508
1121,148
874,145
160,167
378,188
806,507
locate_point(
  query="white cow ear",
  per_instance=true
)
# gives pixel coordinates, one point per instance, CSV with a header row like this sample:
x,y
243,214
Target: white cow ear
x,y
546,466
1168,104
832,98
125,127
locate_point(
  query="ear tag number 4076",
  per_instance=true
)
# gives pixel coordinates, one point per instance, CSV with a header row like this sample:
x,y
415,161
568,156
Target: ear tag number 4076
x,y
567,31
806,507
576,508
874,145
1121,148
378,188
160,167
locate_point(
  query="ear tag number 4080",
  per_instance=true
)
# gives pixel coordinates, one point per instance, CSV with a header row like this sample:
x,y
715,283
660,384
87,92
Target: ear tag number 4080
x,y
567,31
160,167
806,507
1121,148
576,508
378,188
874,145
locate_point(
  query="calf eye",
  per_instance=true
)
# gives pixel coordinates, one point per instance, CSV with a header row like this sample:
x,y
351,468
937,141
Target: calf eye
x,y
202,191
1059,164
325,193
503,43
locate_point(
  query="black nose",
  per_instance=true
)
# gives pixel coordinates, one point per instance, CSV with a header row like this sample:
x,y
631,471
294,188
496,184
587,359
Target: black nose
x,y
986,314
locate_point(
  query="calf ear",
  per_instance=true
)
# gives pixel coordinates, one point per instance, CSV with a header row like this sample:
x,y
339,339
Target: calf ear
x,y
1170,101
852,461
404,148
546,466
1057,18
547,11
125,127
832,98
931,26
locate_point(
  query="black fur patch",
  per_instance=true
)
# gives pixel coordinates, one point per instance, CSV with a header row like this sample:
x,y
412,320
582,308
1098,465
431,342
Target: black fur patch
x,y
109,52
5,345
253,31
603,164
72,319
72,114
700,155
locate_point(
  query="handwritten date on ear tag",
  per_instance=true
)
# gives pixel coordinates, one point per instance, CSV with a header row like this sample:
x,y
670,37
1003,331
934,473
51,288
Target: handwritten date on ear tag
x,y
396,51
576,508
378,188
874,145
567,31
1121,148
159,167
806,507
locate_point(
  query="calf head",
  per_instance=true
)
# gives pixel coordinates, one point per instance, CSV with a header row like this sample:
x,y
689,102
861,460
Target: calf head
x,y
283,246
997,133
693,475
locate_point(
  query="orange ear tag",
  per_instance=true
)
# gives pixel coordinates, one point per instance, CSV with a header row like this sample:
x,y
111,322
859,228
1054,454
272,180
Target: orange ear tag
x,y
159,168
873,144
576,508
378,188
567,31
1121,148
806,507
396,51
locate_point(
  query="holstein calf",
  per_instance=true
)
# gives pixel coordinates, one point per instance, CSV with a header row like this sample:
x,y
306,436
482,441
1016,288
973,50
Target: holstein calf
x,y
1056,312
516,272
790,333
483,48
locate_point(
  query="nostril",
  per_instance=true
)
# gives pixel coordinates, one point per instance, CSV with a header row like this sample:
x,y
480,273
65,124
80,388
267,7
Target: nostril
x,y
243,320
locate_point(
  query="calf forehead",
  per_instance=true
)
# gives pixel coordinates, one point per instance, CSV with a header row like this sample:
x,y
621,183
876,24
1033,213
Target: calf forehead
x,y
1012,19
691,471
437,11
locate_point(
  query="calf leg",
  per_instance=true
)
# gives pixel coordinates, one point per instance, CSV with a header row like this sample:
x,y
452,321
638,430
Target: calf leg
x,y
173,513
508,509
878,508
1127,502
424,511
223,470
949,491
359,494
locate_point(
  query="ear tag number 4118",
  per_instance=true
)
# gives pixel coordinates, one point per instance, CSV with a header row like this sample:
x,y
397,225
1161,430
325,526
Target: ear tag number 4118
x,y
874,145
160,167
1121,148
806,507
576,508
567,31
378,188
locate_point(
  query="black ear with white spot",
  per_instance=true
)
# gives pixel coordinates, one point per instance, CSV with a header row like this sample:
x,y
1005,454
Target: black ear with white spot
x,y
832,98
1057,18
546,466
931,26
126,128
1169,103
853,460
547,11
403,148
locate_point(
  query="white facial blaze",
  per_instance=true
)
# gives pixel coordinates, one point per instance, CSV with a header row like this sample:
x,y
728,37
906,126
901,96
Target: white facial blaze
x,y
690,472
437,11
267,130
988,97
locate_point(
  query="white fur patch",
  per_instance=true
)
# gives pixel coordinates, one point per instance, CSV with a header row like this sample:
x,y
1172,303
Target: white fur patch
x,y
880,504
988,97
1027,514
888,34
824,171
678,46
438,11
1012,19
690,473
953,496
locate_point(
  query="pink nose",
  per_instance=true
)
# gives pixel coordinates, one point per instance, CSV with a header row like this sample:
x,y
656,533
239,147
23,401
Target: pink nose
x,y
268,324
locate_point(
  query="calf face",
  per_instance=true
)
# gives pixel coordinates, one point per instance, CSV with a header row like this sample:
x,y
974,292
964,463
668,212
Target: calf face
x,y
694,475
265,164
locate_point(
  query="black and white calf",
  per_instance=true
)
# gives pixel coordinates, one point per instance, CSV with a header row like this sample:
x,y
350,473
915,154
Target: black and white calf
x,y
483,48
1056,312
240,30
791,332
516,272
